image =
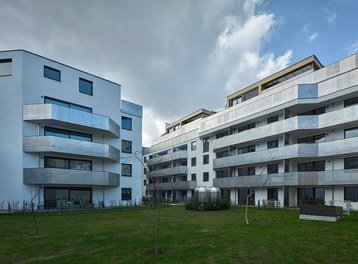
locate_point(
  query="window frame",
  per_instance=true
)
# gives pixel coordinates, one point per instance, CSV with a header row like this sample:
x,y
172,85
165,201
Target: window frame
x,y
7,67
125,196
49,100
272,119
83,88
205,176
130,123
193,161
272,144
206,159
48,69
68,163
130,170
350,129
131,147
350,167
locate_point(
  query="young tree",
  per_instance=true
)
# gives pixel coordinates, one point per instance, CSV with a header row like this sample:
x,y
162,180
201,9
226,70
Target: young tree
x,y
149,176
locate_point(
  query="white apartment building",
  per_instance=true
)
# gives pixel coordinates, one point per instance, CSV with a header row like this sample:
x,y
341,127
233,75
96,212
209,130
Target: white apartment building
x,y
291,138
64,136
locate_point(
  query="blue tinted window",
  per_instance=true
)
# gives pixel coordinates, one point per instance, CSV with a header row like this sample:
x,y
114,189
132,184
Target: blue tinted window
x,y
86,87
66,104
126,123
52,73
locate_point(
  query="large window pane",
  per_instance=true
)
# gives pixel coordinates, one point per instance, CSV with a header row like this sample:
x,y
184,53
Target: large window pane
x,y
56,163
351,194
351,132
351,163
49,100
81,136
56,132
80,165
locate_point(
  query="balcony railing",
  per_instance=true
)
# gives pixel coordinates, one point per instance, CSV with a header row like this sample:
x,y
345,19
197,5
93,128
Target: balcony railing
x,y
183,154
183,185
70,119
169,171
65,146
309,178
53,177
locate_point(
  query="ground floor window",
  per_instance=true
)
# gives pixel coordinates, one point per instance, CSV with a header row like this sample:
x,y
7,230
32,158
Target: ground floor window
x,y
311,195
67,197
272,194
351,194
126,194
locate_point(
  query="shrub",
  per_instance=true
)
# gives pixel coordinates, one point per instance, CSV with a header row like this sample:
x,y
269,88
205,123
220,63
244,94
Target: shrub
x,y
208,204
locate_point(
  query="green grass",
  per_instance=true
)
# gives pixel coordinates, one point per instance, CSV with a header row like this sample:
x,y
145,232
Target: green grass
x,y
126,235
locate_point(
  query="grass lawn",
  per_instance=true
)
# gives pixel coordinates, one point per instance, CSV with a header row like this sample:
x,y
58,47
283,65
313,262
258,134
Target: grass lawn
x,y
125,235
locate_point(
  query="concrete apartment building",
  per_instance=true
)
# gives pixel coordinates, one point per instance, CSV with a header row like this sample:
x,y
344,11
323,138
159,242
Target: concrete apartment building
x,y
65,133
290,138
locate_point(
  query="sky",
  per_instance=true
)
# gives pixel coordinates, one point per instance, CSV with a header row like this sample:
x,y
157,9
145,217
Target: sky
x,y
174,57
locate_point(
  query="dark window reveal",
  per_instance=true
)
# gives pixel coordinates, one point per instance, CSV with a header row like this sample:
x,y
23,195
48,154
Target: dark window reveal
x,y
52,73
86,86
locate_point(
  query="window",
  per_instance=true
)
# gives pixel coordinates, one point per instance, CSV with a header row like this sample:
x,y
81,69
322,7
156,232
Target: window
x,y
222,154
351,163
52,73
193,176
193,162
351,132
272,168
126,194
62,163
49,100
247,127
272,194
206,159
350,102
86,87
193,145
318,111
312,139
351,193
126,123
311,166
311,195
126,169
5,67
145,182
49,131
206,176
272,144
247,149
206,144
272,119
126,146
246,171
220,174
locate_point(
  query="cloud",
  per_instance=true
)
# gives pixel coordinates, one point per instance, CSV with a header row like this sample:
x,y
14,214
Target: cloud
x,y
172,57
352,47
307,27
332,18
312,37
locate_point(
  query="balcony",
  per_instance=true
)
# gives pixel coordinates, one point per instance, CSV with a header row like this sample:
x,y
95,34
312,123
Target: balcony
x,y
277,128
50,114
267,155
53,177
69,147
309,178
183,185
169,171
183,154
